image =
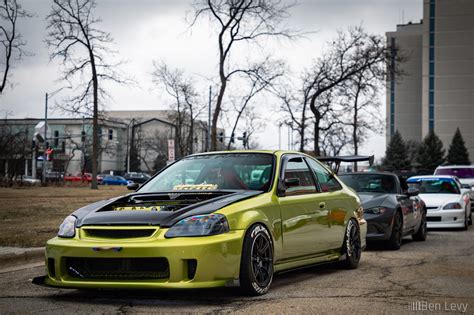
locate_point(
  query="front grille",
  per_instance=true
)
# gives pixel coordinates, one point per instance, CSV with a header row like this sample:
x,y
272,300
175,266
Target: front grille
x,y
117,268
431,208
116,233
433,219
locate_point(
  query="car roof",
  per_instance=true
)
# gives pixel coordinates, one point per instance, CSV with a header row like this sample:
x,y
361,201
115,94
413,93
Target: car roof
x,y
433,176
368,173
454,166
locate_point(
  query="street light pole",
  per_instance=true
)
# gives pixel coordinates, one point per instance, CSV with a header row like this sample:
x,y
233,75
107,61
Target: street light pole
x,y
209,122
46,128
45,136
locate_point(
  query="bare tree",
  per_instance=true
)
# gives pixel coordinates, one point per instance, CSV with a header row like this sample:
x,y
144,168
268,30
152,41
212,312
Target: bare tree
x,y
15,147
83,49
352,52
295,107
260,77
239,22
153,149
185,102
10,39
359,98
334,140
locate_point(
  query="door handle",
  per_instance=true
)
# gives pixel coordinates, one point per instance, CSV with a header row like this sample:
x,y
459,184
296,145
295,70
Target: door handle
x,y
322,205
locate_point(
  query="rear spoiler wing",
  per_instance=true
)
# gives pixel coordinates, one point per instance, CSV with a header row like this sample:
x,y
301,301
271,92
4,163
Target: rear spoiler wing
x,y
335,161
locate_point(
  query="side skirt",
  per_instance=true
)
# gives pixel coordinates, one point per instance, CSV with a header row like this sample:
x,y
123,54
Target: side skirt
x,y
300,263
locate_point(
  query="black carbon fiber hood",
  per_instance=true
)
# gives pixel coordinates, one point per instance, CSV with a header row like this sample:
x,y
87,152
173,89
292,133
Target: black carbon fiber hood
x,y
193,203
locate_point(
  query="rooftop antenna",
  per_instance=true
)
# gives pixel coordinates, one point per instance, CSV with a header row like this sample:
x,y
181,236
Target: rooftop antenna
x,y
403,16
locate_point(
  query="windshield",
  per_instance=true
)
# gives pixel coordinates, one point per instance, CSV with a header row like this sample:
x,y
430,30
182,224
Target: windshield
x,y
434,185
377,183
465,172
249,171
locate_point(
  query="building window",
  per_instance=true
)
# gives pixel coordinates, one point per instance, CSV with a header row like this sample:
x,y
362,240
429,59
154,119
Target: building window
x,y
431,60
111,134
56,138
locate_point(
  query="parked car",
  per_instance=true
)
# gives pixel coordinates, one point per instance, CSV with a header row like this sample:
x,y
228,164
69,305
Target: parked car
x,y
224,229
100,178
448,204
78,177
114,180
27,180
391,213
465,173
137,177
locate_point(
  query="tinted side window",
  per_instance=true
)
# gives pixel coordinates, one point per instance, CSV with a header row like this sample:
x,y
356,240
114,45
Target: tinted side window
x,y
296,168
325,179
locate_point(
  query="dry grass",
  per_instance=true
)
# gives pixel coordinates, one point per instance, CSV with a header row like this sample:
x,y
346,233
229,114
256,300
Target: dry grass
x,y
31,216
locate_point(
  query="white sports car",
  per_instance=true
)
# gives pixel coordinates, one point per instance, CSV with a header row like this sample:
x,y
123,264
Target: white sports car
x,y
448,204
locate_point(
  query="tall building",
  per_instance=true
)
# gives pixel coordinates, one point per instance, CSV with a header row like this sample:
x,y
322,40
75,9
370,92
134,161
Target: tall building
x,y
446,72
404,93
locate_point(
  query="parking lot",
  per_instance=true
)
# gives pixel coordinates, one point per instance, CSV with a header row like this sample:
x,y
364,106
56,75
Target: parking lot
x,y
436,275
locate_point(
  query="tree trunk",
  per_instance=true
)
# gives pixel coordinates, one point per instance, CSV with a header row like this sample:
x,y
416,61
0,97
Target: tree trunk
x,y
191,133
95,124
355,140
302,129
215,115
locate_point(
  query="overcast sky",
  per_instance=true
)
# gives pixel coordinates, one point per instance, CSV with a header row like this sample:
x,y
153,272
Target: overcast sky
x,y
147,30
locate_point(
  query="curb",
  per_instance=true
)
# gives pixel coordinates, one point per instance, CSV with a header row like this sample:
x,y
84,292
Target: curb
x,y
13,256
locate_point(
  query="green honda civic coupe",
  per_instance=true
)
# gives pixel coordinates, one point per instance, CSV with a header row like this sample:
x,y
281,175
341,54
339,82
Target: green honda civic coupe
x,y
210,220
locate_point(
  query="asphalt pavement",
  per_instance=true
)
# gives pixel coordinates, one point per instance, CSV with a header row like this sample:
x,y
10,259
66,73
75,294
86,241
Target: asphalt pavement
x,y
432,277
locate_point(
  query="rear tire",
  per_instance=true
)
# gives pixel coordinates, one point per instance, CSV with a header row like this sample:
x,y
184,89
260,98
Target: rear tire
x,y
256,265
351,247
395,241
466,222
420,235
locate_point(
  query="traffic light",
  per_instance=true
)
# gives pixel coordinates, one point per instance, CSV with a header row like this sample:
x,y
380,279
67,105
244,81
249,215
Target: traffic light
x,y
83,136
244,139
220,136
232,139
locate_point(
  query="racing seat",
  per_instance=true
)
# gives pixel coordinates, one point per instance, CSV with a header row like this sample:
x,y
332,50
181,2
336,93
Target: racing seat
x,y
232,179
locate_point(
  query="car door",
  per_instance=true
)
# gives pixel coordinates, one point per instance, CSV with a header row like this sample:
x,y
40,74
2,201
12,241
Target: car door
x,y
302,209
336,205
410,208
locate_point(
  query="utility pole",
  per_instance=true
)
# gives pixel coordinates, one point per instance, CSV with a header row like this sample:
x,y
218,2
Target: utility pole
x,y
208,146
46,129
45,137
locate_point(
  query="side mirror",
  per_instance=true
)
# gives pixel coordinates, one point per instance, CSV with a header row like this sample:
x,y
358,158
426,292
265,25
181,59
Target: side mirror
x,y
133,186
292,182
412,191
466,186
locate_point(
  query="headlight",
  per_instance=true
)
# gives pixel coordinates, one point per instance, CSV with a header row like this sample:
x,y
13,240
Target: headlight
x,y
68,227
199,225
452,205
376,210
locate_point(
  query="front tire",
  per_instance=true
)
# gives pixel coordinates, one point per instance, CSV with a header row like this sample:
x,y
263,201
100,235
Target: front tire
x,y
395,241
256,265
466,222
351,246
420,235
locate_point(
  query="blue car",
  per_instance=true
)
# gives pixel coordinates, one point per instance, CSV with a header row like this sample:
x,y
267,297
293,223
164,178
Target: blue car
x,y
114,180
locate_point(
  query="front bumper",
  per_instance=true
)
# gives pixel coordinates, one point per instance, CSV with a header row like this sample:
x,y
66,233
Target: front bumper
x,y
379,226
217,258
445,218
